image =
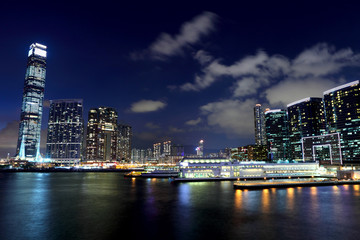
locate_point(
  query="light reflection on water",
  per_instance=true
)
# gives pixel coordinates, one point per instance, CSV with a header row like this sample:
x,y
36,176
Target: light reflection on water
x,y
107,205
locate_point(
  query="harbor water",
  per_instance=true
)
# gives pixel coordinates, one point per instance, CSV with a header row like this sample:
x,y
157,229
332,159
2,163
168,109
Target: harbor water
x,y
85,205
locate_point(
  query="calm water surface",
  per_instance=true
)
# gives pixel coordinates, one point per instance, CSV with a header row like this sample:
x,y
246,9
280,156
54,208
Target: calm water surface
x,y
109,206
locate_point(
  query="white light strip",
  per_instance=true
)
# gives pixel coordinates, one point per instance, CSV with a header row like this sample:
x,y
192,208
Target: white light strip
x,y
299,101
273,111
341,87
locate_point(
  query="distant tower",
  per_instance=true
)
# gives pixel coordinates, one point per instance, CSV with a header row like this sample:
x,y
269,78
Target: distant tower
x,y
28,146
65,131
157,150
167,148
102,134
259,120
125,137
200,148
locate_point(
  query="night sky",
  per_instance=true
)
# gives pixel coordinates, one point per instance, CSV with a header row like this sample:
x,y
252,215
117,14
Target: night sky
x,y
178,70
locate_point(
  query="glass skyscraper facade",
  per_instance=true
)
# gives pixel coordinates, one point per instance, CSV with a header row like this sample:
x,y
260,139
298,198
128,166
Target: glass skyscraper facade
x,y
259,122
65,131
306,118
277,134
342,108
28,146
102,134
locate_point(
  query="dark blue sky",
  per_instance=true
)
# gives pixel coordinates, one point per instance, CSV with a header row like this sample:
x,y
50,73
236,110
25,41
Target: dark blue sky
x,y
143,58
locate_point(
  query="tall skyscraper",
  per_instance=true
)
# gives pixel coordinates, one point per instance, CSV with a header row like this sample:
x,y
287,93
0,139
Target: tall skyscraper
x,y
102,134
65,131
28,146
259,122
342,108
277,134
306,118
125,137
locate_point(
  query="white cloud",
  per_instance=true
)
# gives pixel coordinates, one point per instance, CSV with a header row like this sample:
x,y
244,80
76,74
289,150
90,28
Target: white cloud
x,y
147,106
193,122
190,33
232,116
254,72
291,90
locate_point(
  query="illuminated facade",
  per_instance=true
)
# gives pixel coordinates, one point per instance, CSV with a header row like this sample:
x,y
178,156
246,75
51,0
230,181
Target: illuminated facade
x,y
226,168
342,108
65,131
306,118
102,134
167,148
125,137
28,146
259,122
277,134
157,150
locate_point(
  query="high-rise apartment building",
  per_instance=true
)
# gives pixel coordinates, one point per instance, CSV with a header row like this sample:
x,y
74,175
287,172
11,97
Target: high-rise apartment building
x,y
157,150
277,134
28,146
124,141
65,131
306,118
259,122
342,108
102,134
167,148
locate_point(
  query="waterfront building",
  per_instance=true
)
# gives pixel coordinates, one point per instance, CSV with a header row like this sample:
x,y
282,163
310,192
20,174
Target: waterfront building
x,y
200,149
227,168
306,118
125,138
277,134
28,145
102,134
65,131
157,150
167,148
259,123
249,153
342,108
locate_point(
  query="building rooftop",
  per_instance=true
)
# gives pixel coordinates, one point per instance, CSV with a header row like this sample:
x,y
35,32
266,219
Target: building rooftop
x,y
341,87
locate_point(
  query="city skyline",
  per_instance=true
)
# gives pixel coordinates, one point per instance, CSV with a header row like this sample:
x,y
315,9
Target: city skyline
x,y
183,76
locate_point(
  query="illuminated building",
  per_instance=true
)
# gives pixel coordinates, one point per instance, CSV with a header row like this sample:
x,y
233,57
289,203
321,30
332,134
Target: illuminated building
x,y
342,108
102,134
167,148
28,146
249,153
259,121
277,134
125,137
157,150
306,118
226,168
200,149
65,131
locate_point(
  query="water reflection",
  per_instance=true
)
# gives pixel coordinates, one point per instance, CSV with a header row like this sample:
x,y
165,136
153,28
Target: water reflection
x,y
265,200
290,198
